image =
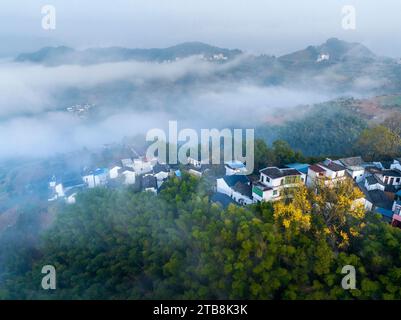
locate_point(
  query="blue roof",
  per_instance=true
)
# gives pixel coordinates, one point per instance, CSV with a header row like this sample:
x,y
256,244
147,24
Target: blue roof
x,y
384,212
301,167
222,198
100,171
234,179
178,173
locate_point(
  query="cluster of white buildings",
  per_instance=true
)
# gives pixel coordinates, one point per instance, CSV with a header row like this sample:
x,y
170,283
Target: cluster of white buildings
x,y
380,183
148,173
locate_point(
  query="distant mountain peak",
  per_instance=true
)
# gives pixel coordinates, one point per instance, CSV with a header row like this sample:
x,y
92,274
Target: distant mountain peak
x,y
333,50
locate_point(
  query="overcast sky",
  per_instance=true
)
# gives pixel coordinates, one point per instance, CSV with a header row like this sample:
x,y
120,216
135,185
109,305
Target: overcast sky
x,y
273,27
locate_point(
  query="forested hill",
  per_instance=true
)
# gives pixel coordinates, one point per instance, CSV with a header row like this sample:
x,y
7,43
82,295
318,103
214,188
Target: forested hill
x,y
333,128
125,245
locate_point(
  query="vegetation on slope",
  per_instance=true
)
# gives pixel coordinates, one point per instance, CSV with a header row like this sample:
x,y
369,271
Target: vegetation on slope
x,y
124,245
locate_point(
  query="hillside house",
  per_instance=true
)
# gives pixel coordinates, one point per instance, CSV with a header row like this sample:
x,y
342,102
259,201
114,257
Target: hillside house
x,y
66,190
376,199
127,163
149,183
114,172
274,181
161,172
355,167
327,171
142,166
129,176
237,187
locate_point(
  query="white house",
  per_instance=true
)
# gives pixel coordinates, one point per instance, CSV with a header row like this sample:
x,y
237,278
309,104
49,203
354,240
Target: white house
x,y
114,172
323,57
96,178
391,177
354,166
64,190
274,181
142,166
129,176
127,163
237,187
327,171
372,183
70,196
161,171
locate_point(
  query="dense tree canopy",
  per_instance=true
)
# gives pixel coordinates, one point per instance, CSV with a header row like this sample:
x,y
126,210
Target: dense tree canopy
x,y
117,244
379,142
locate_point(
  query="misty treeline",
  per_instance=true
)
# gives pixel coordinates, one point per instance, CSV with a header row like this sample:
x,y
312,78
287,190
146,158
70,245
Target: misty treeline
x,y
334,131
117,244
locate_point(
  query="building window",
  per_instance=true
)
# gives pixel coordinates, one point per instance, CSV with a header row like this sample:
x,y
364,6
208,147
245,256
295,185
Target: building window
x,y
275,192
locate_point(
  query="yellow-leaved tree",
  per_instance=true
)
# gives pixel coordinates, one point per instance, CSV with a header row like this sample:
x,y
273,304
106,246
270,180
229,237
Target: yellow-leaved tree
x,y
341,208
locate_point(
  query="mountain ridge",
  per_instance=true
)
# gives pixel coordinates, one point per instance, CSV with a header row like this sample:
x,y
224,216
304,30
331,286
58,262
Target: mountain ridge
x,y
67,55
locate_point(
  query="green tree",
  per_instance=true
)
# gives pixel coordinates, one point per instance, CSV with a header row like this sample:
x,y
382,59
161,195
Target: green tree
x,y
379,142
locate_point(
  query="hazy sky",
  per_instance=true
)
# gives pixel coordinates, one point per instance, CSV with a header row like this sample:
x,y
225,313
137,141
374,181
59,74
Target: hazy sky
x,y
273,27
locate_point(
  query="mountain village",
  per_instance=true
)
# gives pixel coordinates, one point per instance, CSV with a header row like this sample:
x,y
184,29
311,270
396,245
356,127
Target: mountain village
x,y
380,182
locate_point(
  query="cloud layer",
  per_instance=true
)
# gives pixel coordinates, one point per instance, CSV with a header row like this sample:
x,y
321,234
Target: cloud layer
x,y
33,120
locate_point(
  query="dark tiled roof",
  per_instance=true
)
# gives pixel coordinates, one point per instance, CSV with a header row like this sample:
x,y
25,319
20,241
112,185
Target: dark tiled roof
x,y
149,181
380,199
332,166
316,168
391,173
160,168
386,164
222,198
232,180
390,188
352,161
372,180
275,173
244,189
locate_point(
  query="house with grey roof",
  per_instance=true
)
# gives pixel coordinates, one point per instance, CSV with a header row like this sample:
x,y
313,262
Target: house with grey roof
x,y
274,181
328,172
355,167
237,187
